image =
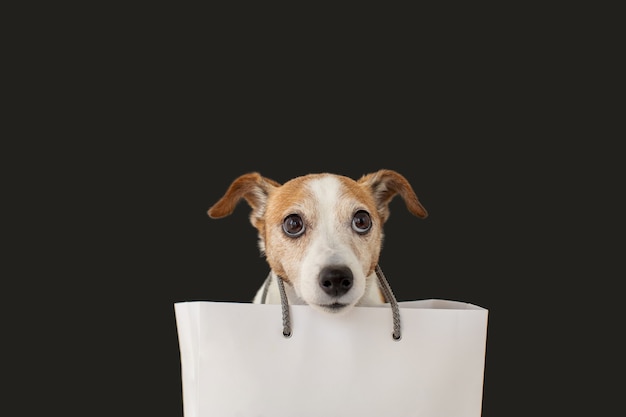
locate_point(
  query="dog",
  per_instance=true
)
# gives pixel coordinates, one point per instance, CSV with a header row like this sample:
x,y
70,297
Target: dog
x,y
320,233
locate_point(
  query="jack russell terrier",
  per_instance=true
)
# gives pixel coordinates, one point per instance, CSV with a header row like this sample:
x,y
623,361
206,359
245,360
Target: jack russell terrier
x,y
321,234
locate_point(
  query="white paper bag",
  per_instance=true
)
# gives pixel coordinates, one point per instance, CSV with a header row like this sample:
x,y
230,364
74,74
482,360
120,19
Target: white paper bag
x,y
235,360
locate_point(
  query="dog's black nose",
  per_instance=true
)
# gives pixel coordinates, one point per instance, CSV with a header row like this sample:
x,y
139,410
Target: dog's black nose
x,y
336,280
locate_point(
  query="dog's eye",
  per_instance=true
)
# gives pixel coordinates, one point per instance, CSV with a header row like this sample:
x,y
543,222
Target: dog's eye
x,y
361,222
293,225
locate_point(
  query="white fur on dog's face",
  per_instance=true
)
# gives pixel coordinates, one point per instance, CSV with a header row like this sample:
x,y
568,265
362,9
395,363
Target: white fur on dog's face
x,y
327,205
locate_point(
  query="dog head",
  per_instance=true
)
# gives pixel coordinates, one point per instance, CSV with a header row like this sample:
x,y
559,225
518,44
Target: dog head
x,y
321,233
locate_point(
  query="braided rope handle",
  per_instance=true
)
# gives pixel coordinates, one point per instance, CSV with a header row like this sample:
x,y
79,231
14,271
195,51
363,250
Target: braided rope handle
x,y
285,306
395,310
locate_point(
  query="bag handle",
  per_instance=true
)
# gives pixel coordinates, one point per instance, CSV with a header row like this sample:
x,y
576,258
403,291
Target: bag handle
x,y
395,310
384,286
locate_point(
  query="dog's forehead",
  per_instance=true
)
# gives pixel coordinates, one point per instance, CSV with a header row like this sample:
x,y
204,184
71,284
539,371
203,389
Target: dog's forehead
x,y
319,191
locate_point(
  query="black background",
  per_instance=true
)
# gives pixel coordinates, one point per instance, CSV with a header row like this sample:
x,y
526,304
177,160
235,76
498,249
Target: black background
x,y
150,114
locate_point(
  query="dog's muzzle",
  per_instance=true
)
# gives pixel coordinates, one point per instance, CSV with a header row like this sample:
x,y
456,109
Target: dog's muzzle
x,y
384,286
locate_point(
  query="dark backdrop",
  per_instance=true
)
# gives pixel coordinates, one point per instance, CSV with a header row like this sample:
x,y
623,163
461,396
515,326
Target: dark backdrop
x,y
148,116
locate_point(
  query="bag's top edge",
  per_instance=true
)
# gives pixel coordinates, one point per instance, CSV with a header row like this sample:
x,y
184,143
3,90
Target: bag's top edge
x,y
432,303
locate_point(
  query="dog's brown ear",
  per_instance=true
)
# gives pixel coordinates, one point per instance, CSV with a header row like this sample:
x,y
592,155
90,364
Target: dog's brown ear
x,y
385,184
252,187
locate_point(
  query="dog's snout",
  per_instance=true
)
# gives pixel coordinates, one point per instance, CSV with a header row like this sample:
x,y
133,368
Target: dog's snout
x,y
336,280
